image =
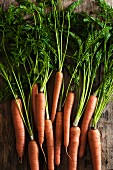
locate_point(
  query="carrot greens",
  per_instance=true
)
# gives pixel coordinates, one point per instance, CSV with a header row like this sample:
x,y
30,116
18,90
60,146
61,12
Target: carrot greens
x,y
87,60
27,53
37,39
105,90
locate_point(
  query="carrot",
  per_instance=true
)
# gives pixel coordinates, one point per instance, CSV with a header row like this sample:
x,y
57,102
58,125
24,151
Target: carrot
x,y
33,153
95,148
57,87
40,116
58,137
16,107
50,143
73,147
34,93
85,123
67,113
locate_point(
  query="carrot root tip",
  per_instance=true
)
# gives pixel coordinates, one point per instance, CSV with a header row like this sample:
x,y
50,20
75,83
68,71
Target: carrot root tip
x,y
20,159
68,154
43,153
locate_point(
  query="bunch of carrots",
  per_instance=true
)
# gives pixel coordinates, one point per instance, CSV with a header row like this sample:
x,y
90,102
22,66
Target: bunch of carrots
x,y
38,44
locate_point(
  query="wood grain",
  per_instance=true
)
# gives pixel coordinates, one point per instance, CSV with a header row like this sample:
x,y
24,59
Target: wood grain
x,y
8,155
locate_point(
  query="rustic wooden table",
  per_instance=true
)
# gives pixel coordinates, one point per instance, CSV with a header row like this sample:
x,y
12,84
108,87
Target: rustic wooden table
x,y
8,155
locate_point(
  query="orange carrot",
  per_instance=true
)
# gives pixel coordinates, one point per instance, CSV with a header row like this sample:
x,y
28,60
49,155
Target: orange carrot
x,y
67,113
19,128
34,93
85,123
50,143
33,153
57,87
73,147
95,148
40,116
58,137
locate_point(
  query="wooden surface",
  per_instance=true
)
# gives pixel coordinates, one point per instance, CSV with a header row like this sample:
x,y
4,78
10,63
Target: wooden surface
x,y
8,155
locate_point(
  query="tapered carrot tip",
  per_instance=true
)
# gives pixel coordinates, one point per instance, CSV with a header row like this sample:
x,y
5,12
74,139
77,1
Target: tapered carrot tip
x,y
57,87
20,142
73,147
85,123
43,153
57,155
82,146
33,153
95,148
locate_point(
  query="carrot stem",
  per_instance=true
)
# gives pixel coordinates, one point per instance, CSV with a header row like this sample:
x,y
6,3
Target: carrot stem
x,y
23,99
